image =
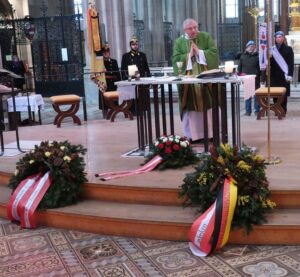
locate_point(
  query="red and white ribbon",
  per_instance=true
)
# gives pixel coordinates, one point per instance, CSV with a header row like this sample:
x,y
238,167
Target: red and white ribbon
x,y
26,199
119,174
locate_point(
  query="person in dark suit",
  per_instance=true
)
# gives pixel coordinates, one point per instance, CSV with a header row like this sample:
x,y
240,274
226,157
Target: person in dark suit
x,y
282,65
17,67
112,73
138,58
135,57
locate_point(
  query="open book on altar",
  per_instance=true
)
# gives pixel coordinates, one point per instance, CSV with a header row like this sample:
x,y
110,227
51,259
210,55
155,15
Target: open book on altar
x,y
213,73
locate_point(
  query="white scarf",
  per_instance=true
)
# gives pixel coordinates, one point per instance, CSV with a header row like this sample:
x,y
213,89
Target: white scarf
x,y
280,60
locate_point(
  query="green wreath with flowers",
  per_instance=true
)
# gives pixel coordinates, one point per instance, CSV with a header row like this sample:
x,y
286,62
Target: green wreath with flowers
x,y
200,187
66,165
175,150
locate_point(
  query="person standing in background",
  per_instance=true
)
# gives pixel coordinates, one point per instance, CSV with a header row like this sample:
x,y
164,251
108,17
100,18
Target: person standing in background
x,y
249,64
138,58
282,66
135,57
17,67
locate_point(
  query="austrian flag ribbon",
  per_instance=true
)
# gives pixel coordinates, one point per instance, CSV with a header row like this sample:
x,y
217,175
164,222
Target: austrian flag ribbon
x,y
211,230
149,166
26,199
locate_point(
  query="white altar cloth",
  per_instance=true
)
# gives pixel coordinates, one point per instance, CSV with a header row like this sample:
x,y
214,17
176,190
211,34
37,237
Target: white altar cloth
x,y
36,101
126,89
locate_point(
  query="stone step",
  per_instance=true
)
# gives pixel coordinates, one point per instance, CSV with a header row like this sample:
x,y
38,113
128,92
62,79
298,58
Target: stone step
x,y
155,221
287,198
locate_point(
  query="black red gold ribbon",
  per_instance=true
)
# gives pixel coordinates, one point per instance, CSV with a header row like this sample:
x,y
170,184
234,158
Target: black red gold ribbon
x,y
211,230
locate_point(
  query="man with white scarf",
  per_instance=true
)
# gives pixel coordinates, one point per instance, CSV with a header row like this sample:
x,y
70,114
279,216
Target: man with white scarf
x,y
282,65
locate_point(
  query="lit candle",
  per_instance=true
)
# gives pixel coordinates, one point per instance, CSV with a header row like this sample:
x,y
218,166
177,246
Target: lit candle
x,y
229,67
132,69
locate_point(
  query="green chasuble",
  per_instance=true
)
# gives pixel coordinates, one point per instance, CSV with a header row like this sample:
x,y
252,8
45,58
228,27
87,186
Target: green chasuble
x,y
181,53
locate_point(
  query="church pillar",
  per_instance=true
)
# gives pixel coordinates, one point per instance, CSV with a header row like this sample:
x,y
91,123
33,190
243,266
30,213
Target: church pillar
x,y
211,19
284,16
156,28
117,15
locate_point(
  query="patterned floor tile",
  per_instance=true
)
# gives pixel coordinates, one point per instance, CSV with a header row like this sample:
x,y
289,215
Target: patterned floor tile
x,y
54,252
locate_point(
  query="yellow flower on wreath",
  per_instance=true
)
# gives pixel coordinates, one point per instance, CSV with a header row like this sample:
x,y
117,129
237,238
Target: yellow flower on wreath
x,y
243,200
202,180
226,148
244,166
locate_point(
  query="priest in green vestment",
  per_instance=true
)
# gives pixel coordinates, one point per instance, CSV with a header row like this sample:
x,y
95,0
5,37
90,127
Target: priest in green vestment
x,y
197,52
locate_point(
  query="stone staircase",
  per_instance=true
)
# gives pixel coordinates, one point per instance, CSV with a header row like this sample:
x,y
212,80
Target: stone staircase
x,y
156,213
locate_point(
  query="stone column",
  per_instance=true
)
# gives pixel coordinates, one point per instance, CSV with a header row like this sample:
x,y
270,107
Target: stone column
x,y
212,7
156,29
117,16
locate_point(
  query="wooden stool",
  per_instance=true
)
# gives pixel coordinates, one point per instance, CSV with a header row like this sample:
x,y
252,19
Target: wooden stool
x,y
113,96
262,99
62,100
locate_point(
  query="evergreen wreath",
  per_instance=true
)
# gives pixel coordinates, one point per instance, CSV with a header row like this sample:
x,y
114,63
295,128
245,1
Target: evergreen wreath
x,y
175,150
200,187
66,165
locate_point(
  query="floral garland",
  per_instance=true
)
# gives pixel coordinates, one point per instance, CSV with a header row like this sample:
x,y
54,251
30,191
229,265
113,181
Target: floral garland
x,y
248,171
176,152
66,165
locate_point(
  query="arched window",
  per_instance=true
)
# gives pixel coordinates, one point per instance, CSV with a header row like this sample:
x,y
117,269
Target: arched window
x,y
78,6
231,9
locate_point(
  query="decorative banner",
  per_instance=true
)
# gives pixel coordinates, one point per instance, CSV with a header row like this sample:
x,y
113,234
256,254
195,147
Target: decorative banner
x,y
94,39
262,39
26,199
119,174
211,230
94,44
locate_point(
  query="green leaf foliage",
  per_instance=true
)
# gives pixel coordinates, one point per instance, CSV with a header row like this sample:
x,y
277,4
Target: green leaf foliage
x,y
248,171
176,152
66,165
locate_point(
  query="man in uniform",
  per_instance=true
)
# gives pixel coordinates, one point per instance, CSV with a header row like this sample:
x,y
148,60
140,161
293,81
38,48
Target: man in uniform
x,y
197,52
138,58
135,57
112,72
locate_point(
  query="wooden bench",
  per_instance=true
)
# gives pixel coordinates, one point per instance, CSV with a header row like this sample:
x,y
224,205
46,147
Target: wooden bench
x,y
276,93
111,97
62,100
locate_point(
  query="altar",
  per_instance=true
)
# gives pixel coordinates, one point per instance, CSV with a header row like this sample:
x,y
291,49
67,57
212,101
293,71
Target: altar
x,y
148,130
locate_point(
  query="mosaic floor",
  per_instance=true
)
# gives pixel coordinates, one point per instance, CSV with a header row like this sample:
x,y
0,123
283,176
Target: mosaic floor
x,y
54,252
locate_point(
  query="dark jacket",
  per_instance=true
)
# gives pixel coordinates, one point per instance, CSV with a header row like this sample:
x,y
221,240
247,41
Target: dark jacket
x,y
18,68
277,75
249,64
139,59
112,73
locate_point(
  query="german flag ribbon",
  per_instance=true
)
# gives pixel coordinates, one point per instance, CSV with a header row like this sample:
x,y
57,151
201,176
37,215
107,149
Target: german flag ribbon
x,y
149,166
26,199
210,231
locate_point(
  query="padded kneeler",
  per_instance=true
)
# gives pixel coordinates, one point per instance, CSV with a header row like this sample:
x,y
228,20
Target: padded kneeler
x,y
61,100
262,99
